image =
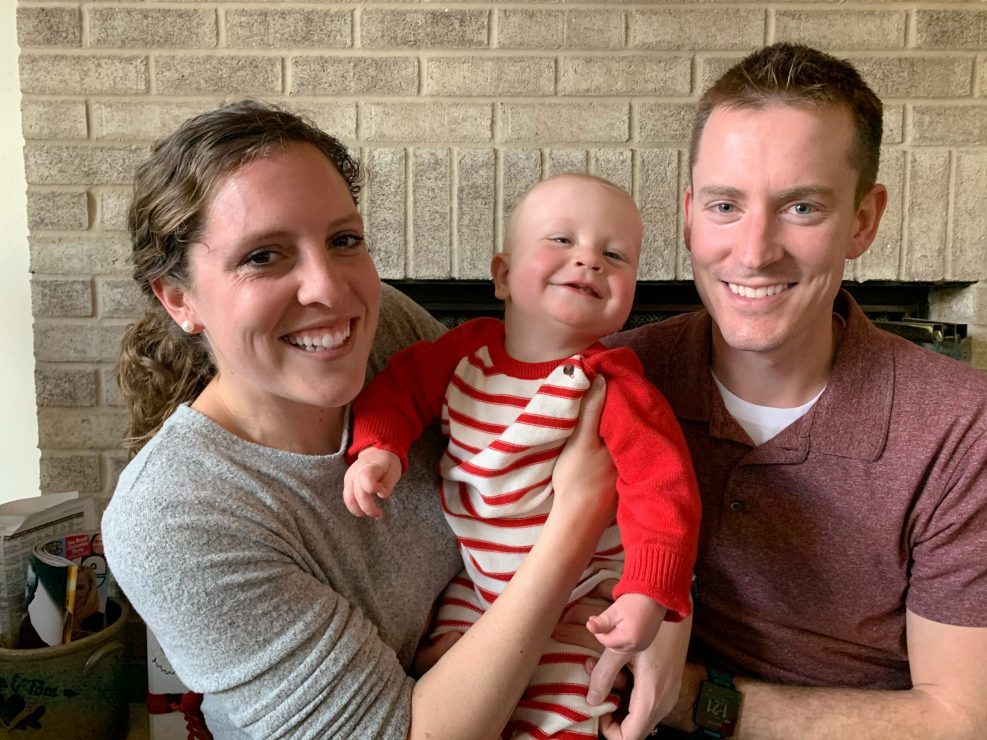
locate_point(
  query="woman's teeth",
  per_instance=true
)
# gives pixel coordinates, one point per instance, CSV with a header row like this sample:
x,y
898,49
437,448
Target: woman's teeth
x,y
313,342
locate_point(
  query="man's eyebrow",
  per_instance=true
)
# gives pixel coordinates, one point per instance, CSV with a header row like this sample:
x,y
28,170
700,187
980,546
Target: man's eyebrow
x,y
719,191
805,191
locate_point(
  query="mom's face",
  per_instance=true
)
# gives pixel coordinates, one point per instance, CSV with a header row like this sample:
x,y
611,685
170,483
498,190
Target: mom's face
x,y
282,285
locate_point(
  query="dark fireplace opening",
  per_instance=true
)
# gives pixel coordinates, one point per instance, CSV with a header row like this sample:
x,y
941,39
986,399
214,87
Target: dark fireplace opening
x,y
901,308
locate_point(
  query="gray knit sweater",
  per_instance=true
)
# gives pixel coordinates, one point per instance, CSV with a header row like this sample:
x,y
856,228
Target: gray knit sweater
x,y
295,618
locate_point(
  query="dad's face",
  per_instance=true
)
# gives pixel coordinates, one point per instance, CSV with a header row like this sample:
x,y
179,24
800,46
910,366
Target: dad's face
x,y
770,220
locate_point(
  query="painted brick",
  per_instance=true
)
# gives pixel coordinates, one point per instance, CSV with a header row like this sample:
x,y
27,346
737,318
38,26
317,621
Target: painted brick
x,y
475,198
842,29
61,298
196,74
55,386
563,122
567,160
336,117
57,210
61,74
520,169
593,29
522,28
76,342
951,29
430,255
72,255
122,28
289,28
640,74
70,473
712,28
119,298
683,261
657,196
615,165
425,122
342,75
113,207
57,164
133,119
949,124
713,68
663,123
916,77
52,26
109,389
113,464
385,28
881,260
925,226
53,119
490,76
969,243
385,217
894,129
66,429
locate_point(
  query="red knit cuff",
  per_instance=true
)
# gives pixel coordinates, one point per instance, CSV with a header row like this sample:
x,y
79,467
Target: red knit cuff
x,y
663,575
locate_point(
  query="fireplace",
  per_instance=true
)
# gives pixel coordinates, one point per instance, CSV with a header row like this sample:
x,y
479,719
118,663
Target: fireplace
x,y
901,308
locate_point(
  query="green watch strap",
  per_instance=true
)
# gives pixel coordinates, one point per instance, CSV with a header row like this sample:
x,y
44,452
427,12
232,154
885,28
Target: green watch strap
x,y
717,706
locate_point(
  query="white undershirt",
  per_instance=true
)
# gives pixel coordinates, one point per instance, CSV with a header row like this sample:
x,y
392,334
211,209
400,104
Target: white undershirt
x,y
761,422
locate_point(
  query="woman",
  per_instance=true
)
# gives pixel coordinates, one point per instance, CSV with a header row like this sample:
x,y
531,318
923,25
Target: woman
x,y
228,530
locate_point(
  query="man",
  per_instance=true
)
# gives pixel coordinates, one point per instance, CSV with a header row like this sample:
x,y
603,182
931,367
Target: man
x,y
842,572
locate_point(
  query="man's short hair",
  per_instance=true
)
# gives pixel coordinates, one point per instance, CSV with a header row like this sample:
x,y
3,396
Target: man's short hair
x,y
793,74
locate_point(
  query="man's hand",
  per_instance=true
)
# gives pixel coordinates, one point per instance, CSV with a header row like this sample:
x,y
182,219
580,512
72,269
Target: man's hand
x,y
373,475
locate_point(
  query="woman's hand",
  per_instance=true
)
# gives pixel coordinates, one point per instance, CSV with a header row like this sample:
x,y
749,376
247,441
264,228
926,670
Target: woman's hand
x,y
657,683
585,480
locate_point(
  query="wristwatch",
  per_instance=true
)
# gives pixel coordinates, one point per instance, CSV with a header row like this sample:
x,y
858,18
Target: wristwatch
x,y
718,705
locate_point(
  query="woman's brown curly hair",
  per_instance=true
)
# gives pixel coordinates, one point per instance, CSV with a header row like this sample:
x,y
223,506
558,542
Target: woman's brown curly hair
x,y
159,366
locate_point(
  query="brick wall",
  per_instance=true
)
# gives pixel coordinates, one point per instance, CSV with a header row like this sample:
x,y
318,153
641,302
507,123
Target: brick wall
x,y
456,108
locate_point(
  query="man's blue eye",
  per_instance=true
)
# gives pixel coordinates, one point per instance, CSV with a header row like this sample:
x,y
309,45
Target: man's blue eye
x,y
803,209
724,207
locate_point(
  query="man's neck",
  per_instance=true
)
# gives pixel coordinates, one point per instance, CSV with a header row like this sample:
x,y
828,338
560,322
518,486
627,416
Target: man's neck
x,y
782,378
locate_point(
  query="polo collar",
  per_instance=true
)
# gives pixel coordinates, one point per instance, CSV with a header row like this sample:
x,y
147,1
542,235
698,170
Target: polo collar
x,y
851,418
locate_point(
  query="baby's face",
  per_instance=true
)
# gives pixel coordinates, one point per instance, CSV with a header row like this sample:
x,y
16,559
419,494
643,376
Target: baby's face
x,y
571,260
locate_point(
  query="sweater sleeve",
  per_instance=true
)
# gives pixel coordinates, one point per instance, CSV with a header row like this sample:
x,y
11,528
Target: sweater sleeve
x,y
658,509
407,395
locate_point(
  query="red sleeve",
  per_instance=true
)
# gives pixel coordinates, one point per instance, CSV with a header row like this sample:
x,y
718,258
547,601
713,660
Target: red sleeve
x,y
658,509
395,407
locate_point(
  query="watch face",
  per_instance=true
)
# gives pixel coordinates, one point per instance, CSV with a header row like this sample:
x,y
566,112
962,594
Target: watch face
x,y
717,708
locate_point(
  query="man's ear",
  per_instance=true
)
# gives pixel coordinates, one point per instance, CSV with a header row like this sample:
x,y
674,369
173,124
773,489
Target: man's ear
x,y
687,217
500,265
174,300
868,219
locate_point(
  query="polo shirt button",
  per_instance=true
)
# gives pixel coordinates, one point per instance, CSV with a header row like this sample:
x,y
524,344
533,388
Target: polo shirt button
x,y
736,505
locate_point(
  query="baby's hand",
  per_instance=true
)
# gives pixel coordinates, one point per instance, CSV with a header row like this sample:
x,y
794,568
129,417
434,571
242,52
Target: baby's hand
x,y
629,625
373,475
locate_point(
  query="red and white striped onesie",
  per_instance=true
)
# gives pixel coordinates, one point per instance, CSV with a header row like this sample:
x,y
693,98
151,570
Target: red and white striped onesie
x,y
506,422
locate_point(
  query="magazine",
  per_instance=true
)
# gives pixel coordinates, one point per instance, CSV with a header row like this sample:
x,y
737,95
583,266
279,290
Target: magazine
x,y
66,590
23,524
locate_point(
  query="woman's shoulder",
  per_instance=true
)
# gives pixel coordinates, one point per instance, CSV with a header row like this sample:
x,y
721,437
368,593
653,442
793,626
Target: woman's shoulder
x,y
402,322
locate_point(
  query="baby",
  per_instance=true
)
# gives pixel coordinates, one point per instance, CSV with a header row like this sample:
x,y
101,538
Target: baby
x,y
508,394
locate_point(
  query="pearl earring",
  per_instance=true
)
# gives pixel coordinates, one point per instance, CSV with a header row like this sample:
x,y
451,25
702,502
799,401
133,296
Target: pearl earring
x,y
187,326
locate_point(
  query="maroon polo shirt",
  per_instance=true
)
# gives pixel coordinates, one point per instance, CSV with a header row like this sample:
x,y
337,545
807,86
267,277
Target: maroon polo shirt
x,y
814,543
